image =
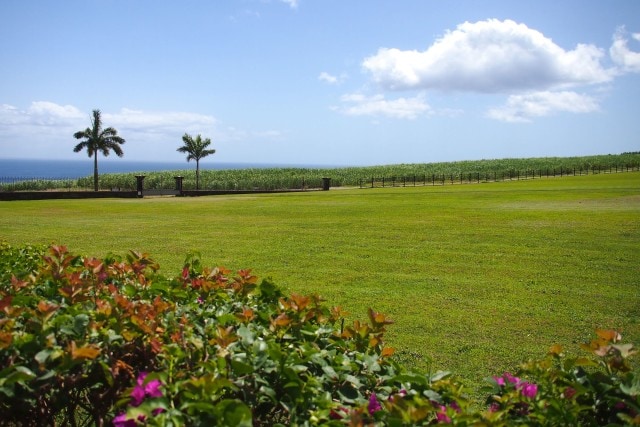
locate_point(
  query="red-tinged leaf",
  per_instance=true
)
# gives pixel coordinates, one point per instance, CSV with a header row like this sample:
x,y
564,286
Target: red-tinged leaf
x,y
609,335
374,341
160,305
5,339
247,315
122,302
93,264
119,366
246,277
103,307
87,352
281,320
225,336
555,350
378,319
5,302
300,302
47,308
337,313
176,337
156,345
387,352
18,284
58,250
140,323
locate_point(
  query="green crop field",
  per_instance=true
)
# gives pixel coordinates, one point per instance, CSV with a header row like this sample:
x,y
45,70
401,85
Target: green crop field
x,y
477,277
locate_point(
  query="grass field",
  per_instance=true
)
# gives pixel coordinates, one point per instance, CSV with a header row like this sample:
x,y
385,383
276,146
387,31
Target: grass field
x,y
477,277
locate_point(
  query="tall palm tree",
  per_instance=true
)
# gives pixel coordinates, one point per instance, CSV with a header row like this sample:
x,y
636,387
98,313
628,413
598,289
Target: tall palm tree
x,y
196,148
98,139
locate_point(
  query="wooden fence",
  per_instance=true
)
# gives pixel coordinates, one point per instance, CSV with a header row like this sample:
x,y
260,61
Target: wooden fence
x,y
478,177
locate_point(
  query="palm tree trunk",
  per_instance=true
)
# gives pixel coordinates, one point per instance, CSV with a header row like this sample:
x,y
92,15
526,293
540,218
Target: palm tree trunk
x,y
95,170
197,174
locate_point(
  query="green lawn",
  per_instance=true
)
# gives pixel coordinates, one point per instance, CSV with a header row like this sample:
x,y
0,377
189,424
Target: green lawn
x,y
477,277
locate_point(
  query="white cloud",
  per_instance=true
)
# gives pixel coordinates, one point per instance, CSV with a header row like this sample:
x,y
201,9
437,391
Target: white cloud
x,y
621,55
326,77
293,4
49,129
164,123
523,108
332,79
489,56
377,105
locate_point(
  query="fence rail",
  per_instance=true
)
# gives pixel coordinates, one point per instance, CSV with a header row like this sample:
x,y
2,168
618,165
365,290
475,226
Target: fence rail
x,y
478,177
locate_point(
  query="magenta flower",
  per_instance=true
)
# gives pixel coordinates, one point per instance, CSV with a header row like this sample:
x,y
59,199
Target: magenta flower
x,y
442,416
511,378
374,405
137,395
499,381
122,421
152,388
142,390
528,389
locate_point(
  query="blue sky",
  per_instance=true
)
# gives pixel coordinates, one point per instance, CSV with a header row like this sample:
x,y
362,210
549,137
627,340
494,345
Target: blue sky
x,y
323,82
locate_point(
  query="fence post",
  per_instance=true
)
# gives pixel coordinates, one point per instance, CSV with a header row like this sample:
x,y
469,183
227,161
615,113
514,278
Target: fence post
x,y
139,184
326,183
178,184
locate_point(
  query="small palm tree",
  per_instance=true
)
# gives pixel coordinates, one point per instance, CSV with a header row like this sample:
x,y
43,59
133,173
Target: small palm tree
x,y
196,148
98,139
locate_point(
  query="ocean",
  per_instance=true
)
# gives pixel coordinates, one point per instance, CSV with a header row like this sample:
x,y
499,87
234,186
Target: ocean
x,y
72,169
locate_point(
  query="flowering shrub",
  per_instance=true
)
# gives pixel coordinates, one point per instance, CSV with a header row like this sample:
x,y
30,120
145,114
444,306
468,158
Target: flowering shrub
x,y
86,341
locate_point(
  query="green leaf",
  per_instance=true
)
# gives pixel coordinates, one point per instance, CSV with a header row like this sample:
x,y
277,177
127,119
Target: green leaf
x,y
241,368
234,414
440,375
412,378
19,375
42,356
80,323
246,335
330,372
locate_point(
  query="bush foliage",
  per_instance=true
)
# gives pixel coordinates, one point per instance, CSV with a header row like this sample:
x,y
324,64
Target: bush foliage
x,y
87,341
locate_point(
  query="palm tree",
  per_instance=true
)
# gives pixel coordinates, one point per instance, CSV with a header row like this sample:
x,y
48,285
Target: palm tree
x,y
98,139
196,150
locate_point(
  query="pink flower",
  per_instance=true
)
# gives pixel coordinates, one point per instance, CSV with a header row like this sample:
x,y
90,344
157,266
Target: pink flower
x,y
528,389
137,395
374,405
152,388
511,378
499,381
142,390
122,421
442,416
